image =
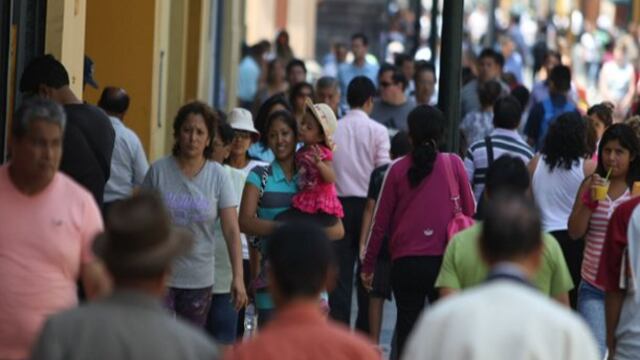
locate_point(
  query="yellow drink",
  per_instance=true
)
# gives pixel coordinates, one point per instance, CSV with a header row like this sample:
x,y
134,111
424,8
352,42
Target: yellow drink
x,y
599,192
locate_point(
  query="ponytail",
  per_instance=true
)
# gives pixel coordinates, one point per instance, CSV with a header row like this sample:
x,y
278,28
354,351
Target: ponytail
x,y
423,156
426,127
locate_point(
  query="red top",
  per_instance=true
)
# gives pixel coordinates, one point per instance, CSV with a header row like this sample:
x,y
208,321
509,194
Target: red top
x,y
301,331
615,243
416,218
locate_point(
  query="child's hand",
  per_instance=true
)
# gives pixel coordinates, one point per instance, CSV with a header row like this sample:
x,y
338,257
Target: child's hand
x,y
316,156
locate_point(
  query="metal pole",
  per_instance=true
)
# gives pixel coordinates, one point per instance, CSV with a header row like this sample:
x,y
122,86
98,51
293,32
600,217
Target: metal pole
x,y
490,39
417,9
433,36
450,69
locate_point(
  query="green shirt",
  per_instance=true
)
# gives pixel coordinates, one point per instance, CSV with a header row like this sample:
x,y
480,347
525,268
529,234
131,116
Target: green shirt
x,y
462,266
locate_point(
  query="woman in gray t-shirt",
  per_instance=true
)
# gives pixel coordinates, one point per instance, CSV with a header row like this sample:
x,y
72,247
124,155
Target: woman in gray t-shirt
x,y
197,192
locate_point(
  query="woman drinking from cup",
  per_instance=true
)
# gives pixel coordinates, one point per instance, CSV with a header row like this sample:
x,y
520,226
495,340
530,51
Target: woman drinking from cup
x,y
599,195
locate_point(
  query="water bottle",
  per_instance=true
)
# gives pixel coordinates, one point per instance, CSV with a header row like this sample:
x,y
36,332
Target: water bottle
x,y
249,320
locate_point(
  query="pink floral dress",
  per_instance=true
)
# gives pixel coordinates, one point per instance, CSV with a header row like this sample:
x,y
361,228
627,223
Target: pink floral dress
x,y
314,194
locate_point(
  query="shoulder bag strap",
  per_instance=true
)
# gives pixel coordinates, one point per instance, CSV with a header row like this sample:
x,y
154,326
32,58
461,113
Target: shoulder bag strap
x,y
489,144
263,182
454,191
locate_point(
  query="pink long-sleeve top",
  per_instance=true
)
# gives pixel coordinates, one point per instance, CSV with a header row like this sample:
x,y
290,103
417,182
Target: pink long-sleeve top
x,y
416,218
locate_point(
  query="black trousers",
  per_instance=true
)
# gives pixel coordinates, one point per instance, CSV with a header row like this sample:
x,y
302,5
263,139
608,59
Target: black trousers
x,y
346,251
412,280
573,251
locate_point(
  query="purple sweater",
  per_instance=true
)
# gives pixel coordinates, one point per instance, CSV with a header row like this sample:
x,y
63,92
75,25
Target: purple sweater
x,y
416,218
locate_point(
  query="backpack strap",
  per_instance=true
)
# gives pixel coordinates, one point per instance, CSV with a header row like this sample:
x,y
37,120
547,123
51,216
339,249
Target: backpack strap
x,y
454,191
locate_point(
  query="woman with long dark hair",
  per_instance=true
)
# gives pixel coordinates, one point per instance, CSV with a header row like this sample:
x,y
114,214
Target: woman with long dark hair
x,y
297,98
414,209
275,83
557,173
268,193
260,150
619,160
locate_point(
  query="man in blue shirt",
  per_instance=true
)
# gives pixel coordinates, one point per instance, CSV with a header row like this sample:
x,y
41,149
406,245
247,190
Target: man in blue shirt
x,y
546,111
359,66
128,161
248,76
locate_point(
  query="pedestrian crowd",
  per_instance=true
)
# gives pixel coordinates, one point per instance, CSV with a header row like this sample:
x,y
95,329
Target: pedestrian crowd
x,y
251,238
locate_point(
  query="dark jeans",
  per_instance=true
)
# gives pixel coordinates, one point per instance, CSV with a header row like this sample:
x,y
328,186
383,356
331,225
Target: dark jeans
x,y
573,252
222,319
246,269
412,280
346,251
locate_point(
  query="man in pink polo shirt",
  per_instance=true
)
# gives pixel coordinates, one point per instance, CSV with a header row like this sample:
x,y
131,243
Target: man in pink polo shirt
x,y
47,224
362,144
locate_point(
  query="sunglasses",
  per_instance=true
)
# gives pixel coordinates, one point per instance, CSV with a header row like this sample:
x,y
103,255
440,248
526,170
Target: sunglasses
x,y
241,134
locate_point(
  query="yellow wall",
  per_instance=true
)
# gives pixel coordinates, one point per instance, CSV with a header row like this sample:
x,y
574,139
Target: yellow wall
x,y
193,48
176,66
234,16
64,38
199,44
124,38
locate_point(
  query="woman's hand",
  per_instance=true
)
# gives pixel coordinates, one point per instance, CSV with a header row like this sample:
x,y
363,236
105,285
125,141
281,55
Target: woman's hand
x,y
596,180
362,252
238,294
367,280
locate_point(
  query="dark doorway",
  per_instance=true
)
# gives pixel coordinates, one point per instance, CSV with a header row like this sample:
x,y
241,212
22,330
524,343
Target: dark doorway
x,y
22,36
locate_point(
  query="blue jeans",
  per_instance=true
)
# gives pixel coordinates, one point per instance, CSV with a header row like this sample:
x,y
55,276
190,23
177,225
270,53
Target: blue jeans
x,y
222,320
591,307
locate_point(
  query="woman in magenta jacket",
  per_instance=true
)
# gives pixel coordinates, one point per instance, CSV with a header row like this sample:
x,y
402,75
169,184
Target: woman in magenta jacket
x,y
414,208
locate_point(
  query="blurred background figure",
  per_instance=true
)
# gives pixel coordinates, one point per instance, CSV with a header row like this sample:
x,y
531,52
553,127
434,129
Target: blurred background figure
x,y
283,51
617,81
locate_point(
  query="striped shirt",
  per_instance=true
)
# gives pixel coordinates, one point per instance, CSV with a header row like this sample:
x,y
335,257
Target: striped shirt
x,y
277,197
594,241
504,141
278,192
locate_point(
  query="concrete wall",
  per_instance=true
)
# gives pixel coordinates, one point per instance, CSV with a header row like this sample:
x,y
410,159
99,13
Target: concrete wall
x,y
339,19
260,20
263,18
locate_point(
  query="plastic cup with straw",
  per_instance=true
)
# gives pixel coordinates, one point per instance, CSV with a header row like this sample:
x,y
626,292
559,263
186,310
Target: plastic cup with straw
x,y
600,191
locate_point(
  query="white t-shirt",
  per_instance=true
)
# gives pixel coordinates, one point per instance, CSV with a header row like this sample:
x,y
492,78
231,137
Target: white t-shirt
x,y
194,204
555,192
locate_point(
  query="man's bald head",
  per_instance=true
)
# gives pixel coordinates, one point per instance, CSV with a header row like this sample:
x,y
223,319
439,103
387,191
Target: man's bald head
x,y
114,101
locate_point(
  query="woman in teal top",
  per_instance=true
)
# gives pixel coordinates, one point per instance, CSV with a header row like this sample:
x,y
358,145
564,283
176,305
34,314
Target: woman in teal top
x,y
267,193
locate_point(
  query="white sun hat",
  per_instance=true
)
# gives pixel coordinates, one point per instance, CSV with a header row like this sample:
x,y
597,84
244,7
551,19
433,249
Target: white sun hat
x,y
241,119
